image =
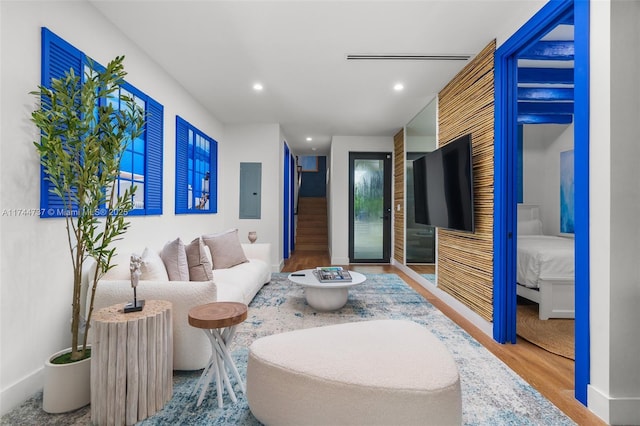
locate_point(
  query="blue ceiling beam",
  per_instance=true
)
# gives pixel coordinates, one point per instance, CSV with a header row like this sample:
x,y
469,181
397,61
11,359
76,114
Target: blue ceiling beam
x,y
526,108
563,50
545,119
545,75
545,94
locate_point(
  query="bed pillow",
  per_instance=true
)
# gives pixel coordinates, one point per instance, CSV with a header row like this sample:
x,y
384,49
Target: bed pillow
x,y
174,256
200,268
226,250
530,227
152,268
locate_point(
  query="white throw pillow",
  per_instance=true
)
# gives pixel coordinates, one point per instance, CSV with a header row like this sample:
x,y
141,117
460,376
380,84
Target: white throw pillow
x,y
226,250
152,267
174,257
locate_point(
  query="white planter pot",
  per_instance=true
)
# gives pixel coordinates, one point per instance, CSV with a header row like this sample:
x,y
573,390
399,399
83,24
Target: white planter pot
x,y
67,387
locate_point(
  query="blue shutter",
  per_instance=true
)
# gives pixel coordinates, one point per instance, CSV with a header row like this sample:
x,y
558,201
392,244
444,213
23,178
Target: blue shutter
x,y
58,57
153,174
182,169
213,184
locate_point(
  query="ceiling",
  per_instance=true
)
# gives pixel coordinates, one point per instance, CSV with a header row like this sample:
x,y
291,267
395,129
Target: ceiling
x,y
297,49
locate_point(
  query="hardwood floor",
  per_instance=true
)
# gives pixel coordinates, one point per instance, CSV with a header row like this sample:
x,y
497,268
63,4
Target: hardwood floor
x,y
550,374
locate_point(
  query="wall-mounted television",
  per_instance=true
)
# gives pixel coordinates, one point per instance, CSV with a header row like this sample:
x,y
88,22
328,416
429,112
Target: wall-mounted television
x,y
443,186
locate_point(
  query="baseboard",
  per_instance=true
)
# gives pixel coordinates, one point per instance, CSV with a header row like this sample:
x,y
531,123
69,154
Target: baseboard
x,y
17,393
614,411
339,260
484,325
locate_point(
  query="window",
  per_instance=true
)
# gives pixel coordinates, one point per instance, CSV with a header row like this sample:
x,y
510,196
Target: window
x,y
142,163
196,170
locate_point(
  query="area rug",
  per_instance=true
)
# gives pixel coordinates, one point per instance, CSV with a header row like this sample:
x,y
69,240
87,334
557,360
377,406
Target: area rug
x,y
492,394
554,335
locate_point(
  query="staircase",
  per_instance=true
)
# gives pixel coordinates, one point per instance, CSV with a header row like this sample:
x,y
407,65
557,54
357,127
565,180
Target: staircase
x,y
311,229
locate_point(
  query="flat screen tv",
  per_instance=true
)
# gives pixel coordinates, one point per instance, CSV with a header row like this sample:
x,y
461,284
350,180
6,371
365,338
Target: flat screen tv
x,y
443,186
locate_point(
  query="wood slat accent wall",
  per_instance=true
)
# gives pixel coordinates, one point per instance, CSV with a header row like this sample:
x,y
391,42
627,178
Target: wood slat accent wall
x,y
465,260
399,169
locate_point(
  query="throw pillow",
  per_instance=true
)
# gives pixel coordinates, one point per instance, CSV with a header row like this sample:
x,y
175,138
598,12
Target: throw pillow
x,y
174,257
200,268
152,268
226,250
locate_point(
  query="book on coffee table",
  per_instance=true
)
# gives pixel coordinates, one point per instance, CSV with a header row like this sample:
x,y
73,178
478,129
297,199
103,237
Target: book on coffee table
x,y
332,274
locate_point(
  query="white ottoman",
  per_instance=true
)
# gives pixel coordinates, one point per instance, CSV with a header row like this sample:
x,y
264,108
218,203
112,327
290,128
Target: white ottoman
x,y
386,372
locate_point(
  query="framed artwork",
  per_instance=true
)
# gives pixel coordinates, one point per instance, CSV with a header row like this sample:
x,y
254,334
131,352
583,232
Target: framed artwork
x,y
567,212
309,163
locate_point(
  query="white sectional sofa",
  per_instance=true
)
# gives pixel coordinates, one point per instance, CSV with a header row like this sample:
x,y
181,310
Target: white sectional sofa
x,y
239,283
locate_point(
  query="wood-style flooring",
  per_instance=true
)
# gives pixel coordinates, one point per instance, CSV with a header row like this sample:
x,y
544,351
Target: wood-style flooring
x,y
551,375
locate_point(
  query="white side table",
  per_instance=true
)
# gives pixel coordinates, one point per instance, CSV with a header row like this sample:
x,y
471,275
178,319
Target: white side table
x,y
218,320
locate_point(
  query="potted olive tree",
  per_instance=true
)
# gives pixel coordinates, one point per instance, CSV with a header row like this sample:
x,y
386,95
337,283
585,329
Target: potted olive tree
x,y
85,127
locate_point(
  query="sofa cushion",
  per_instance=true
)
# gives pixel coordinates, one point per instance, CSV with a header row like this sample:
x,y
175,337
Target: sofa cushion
x,y
226,250
152,268
242,282
174,257
200,268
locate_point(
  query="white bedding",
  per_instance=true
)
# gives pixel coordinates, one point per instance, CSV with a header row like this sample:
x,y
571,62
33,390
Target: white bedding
x,y
544,257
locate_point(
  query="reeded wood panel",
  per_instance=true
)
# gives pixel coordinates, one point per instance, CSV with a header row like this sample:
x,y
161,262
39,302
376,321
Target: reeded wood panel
x,y
465,260
399,169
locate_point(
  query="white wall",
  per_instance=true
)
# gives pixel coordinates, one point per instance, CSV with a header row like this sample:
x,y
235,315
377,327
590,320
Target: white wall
x,y
341,146
266,148
542,145
614,392
35,271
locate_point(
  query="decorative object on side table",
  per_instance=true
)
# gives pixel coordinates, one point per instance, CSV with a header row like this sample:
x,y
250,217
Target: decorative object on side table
x,y
134,266
81,142
253,236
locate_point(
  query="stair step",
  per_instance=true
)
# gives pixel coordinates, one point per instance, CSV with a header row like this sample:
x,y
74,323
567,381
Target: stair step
x,y
311,227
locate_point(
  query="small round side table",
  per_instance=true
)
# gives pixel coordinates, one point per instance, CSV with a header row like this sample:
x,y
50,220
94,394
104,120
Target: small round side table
x,y
218,320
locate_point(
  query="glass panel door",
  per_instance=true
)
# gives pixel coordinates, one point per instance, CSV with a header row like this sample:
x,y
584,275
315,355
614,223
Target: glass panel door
x,y
369,207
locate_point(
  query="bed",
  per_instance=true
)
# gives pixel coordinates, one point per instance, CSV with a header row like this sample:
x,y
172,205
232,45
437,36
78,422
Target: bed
x,y
545,266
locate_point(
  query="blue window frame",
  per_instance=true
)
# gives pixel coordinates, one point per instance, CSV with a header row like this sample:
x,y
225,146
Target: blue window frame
x,y
141,164
196,170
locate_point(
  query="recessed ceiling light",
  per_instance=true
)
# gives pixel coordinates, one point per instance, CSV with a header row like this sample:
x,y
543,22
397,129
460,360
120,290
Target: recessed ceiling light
x,y
309,139
258,87
398,87
313,149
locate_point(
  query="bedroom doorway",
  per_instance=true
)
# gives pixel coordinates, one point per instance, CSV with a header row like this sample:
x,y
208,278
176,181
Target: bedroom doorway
x,y
506,156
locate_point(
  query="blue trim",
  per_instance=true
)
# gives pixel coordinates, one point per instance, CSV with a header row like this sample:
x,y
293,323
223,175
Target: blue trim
x,y
58,56
183,155
545,118
552,14
581,170
525,108
545,75
550,51
545,93
287,189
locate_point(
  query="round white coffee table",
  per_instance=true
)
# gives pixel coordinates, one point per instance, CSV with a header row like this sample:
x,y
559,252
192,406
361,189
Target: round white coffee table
x,y
325,296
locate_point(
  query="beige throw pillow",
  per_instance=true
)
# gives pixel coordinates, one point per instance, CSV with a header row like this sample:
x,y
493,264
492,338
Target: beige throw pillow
x,y
174,257
200,268
226,250
152,267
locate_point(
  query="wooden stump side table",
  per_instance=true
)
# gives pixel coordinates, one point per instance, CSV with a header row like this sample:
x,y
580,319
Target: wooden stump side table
x,y
218,320
131,363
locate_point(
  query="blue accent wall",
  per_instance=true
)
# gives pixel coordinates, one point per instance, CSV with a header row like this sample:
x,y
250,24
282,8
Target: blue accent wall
x,y
314,184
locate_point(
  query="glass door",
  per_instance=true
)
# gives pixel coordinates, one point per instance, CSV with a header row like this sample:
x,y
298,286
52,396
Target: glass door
x,y
369,207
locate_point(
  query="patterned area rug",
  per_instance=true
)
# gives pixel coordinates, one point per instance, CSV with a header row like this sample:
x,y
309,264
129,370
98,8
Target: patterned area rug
x,y
492,394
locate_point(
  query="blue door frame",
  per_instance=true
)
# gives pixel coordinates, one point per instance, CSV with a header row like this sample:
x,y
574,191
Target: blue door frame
x,y
505,191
